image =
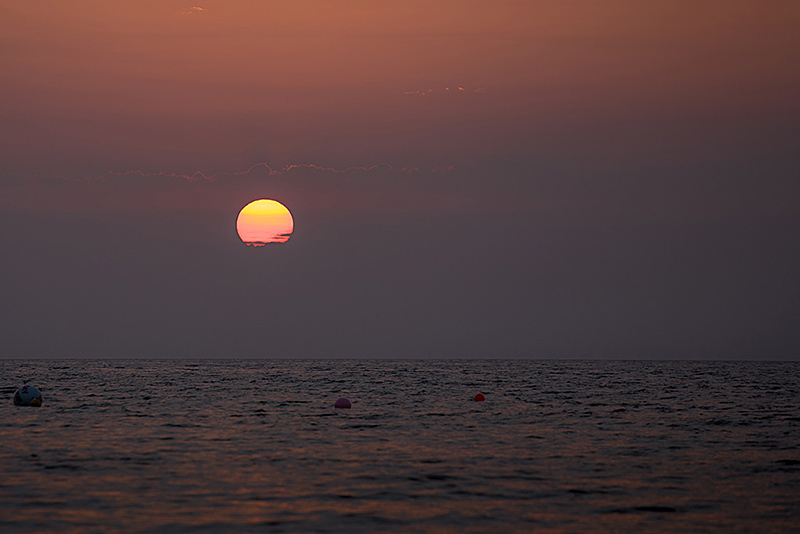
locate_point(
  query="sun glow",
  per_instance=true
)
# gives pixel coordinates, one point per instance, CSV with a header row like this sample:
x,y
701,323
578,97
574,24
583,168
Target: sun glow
x,y
263,222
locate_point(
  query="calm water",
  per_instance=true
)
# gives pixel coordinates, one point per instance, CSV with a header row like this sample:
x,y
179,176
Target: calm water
x,y
256,446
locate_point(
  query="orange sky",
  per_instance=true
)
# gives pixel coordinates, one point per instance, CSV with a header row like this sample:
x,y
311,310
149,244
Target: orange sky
x,y
92,86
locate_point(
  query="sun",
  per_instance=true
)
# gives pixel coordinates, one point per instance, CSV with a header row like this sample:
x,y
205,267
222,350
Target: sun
x,y
263,222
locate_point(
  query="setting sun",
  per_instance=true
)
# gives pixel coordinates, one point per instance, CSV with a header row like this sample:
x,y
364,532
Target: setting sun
x,y
264,221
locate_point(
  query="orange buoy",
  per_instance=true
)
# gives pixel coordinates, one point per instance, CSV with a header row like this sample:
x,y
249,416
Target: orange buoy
x,y
479,397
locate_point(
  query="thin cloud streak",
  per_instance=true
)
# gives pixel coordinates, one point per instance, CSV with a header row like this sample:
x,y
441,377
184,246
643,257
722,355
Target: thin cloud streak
x,y
260,168
444,91
315,187
499,186
194,10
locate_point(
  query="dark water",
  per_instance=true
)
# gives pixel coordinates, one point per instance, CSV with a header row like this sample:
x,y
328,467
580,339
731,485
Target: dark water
x,y
256,446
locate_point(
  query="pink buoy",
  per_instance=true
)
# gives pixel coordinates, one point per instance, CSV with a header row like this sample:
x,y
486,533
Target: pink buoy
x,y
479,397
342,402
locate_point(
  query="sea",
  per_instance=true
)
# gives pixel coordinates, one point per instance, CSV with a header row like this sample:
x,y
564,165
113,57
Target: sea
x,y
241,446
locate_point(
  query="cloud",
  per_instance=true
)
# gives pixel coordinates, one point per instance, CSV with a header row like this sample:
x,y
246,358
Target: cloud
x,y
372,188
194,10
494,186
444,91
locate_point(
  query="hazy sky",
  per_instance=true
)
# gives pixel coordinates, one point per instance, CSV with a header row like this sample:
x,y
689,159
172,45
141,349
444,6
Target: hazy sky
x,y
468,178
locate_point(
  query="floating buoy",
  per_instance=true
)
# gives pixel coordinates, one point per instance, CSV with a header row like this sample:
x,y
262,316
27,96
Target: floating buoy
x,y
342,402
28,396
479,397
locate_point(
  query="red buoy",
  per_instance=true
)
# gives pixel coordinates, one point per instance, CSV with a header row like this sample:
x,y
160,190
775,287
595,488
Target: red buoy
x,y
342,402
479,397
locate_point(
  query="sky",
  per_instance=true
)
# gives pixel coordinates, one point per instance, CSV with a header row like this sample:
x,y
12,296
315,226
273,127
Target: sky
x,y
468,179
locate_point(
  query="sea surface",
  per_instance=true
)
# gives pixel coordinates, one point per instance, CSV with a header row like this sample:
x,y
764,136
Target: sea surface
x,y
243,446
